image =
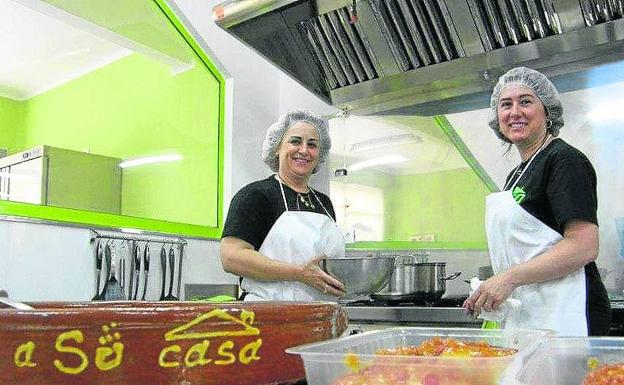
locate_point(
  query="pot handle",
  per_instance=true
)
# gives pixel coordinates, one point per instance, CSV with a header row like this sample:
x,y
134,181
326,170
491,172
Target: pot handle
x,y
453,276
405,260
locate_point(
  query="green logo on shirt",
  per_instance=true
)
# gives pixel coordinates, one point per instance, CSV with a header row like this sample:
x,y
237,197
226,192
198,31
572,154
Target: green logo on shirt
x,y
518,194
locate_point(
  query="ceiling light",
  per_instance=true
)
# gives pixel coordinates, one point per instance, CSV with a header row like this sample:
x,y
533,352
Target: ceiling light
x,y
385,141
377,161
130,230
150,160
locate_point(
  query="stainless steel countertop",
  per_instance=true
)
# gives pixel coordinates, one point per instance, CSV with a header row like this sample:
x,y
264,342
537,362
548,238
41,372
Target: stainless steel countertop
x,y
410,315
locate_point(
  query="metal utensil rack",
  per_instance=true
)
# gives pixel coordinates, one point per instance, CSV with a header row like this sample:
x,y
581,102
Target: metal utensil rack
x,y
134,239
138,238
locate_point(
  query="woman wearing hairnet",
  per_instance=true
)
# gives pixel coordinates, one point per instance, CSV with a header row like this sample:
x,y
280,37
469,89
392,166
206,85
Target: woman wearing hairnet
x,y
278,229
542,228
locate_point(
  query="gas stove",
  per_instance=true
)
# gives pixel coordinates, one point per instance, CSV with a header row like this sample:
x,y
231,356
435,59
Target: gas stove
x,y
450,301
617,314
446,312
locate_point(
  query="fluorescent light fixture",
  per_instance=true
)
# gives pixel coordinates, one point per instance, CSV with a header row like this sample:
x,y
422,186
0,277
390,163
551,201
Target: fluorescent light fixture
x,y
377,162
609,111
386,141
150,160
130,230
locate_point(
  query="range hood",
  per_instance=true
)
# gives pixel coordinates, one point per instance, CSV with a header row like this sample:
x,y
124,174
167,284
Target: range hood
x,y
426,56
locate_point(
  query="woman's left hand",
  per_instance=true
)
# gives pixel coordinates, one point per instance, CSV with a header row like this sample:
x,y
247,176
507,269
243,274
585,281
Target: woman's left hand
x,y
315,277
490,295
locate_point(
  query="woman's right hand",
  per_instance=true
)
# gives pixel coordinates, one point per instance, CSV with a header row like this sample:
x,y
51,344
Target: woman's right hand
x,y
313,276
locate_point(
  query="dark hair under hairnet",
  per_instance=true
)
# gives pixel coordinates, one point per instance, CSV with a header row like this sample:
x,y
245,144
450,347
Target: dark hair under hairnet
x,y
543,89
276,132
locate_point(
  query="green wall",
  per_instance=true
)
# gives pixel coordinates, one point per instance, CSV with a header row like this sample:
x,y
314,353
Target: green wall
x,y
135,108
448,204
12,116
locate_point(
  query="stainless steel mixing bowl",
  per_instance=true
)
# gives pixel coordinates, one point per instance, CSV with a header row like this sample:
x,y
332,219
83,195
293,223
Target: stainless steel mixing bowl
x,y
361,275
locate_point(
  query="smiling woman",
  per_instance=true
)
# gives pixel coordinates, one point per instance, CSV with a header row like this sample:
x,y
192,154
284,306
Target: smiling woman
x,y
141,94
279,228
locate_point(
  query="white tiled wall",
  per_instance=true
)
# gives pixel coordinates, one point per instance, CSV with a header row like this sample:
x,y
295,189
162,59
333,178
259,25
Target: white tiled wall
x,y
45,262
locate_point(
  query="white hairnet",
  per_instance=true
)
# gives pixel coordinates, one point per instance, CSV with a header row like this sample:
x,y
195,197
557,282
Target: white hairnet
x,y
543,89
276,132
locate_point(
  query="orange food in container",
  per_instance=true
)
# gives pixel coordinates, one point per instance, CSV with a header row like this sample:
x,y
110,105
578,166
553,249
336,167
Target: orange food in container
x,y
467,356
610,374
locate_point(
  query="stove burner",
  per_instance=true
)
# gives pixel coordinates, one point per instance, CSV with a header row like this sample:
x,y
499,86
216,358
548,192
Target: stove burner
x,y
450,301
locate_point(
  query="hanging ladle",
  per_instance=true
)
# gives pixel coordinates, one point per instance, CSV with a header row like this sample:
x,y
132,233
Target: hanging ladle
x,y
163,268
170,296
146,263
99,257
137,271
112,289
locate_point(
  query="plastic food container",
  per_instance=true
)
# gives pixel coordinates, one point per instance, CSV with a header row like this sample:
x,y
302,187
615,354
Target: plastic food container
x,y
565,360
346,360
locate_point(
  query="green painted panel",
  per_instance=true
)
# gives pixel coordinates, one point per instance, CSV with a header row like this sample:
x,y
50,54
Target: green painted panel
x,y
12,115
448,204
82,181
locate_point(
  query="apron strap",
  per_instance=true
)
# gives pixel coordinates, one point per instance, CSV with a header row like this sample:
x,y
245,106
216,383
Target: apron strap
x,y
546,141
282,189
322,205
311,190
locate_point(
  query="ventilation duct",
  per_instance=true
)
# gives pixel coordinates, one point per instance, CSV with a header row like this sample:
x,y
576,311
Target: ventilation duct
x,y
429,56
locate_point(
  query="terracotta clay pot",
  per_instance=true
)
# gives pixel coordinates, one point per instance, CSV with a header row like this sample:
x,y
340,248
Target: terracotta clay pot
x,y
160,343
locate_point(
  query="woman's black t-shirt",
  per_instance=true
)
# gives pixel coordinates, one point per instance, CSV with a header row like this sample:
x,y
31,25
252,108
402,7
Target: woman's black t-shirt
x,y
558,187
255,208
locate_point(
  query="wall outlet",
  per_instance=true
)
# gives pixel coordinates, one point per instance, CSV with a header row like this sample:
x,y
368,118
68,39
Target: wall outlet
x,y
422,238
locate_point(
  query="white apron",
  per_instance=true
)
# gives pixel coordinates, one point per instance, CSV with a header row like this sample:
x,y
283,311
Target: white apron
x,y
296,237
515,236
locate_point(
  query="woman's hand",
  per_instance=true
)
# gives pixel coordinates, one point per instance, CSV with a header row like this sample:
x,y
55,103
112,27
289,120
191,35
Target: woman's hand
x,y
313,276
491,294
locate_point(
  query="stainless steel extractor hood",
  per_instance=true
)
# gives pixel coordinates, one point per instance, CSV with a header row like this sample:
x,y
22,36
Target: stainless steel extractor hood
x,y
425,56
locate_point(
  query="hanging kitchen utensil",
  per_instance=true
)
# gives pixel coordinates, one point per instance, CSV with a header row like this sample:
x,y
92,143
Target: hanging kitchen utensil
x,y
170,296
180,256
146,263
163,269
99,256
130,273
112,289
121,263
137,271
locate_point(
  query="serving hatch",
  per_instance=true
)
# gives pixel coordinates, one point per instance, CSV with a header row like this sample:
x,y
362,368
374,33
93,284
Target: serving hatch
x,y
154,343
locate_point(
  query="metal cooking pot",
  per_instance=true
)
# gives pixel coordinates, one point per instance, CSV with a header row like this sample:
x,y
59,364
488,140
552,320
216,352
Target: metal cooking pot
x,y
419,281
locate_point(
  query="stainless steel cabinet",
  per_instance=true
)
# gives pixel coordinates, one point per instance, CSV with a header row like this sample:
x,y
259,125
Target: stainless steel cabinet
x,y
64,178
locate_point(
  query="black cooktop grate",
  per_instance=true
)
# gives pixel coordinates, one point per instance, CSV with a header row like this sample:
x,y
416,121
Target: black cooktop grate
x,y
450,301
